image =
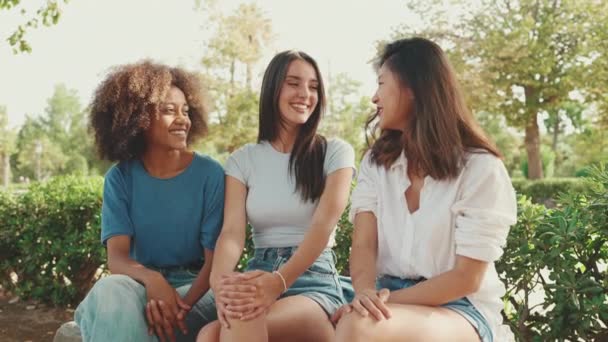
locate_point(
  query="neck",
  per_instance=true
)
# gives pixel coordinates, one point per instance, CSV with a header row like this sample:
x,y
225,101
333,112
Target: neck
x,y
285,140
163,163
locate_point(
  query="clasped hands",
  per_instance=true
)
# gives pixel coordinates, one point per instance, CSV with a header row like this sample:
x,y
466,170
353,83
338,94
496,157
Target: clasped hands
x,y
245,296
165,310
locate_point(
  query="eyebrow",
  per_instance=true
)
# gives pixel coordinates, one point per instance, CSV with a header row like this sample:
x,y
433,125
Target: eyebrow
x,y
298,78
185,104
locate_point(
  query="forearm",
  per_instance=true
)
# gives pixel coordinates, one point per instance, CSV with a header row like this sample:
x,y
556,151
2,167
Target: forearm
x,y
444,288
228,251
200,285
119,264
315,241
363,267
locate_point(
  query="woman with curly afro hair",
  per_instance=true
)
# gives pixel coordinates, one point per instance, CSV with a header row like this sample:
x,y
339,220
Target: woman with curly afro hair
x,y
162,208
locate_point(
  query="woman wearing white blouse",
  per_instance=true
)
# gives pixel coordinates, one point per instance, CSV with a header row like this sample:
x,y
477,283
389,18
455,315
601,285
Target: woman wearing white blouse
x,y
432,210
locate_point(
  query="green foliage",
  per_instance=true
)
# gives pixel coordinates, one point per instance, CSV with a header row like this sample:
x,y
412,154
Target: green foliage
x,y
48,14
51,233
523,58
547,161
343,242
347,112
7,147
520,267
496,127
8,222
235,128
562,253
549,190
57,143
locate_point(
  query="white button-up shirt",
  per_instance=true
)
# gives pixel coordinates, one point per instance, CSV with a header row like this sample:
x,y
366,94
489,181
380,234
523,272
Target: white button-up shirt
x,y
469,216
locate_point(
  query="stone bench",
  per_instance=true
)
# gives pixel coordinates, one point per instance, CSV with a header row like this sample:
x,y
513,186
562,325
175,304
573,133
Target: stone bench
x,y
68,332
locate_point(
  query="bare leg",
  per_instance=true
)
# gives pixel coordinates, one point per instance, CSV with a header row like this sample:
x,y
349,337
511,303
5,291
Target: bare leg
x,y
295,318
209,333
408,323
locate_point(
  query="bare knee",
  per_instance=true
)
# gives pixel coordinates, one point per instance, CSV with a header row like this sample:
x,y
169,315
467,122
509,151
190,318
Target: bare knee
x,y
209,333
353,327
307,327
252,330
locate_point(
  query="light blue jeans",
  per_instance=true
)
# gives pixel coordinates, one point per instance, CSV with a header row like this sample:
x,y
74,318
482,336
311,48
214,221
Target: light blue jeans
x,y
114,309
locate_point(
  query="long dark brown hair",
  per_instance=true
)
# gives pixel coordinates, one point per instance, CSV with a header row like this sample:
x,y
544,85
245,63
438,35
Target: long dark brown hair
x,y
440,130
308,154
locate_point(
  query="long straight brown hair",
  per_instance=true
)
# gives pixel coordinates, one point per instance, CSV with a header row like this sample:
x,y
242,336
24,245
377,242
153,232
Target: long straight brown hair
x,y
308,154
440,130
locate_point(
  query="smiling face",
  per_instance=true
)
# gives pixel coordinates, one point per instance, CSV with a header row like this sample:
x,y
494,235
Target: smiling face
x,y
394,101
169,129
299,93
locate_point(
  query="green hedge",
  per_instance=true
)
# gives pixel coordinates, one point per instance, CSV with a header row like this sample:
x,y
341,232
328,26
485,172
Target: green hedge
x,y
563,253
548,190
49,238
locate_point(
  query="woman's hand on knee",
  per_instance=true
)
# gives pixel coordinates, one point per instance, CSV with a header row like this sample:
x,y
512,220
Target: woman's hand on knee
x,y
269,287
232,289
372,302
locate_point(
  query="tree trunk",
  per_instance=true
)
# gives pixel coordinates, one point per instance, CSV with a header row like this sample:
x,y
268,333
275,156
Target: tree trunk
x,y
532,140
555,133
248,81
232,70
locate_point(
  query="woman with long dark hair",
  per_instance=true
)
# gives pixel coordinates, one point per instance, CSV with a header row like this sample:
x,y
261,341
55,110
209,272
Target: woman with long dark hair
x,y
431,210
291,186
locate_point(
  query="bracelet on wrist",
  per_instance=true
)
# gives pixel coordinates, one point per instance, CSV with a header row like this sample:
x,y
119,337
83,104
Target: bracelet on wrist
x,y
282,279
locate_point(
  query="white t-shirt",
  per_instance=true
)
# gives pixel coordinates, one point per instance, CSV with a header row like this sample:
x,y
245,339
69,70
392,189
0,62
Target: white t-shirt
x,y
469,216
278,215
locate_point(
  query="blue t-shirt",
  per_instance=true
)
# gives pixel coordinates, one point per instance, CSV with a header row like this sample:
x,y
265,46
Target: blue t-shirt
x,y
170,221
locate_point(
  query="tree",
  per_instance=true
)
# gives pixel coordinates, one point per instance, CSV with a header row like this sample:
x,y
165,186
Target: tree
x,y
347,111
58,141
528,57
7,146
505,138
47,15
239,38
234,49
239,125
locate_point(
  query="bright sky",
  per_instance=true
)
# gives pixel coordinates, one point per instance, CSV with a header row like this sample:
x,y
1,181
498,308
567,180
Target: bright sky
x,y
95,35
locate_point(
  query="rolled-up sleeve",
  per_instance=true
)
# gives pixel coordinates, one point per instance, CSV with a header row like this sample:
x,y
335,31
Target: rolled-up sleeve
x,y
365,196
485,210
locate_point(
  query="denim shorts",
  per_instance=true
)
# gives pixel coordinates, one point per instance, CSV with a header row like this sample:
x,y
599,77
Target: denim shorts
x,y
319,282
462,306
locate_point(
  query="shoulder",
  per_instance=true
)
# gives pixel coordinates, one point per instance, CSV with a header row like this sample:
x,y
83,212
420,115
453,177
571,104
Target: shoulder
x,y
478,159
480,164
338,145
246,151
339,151
119,171
368,163
209,164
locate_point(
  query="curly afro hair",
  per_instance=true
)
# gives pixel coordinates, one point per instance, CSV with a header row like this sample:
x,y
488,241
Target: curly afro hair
x,y
125,102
